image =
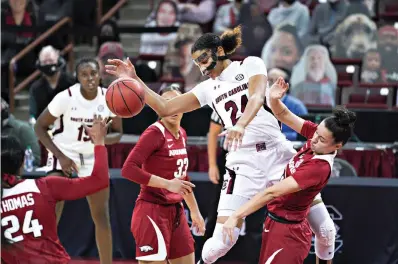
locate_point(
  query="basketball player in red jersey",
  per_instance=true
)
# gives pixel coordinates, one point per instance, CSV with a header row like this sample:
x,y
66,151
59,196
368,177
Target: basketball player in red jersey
x,y
287,234
28,220
159,162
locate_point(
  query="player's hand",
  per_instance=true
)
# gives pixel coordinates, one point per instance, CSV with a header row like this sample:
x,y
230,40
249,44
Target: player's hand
x,y
98,130
67,165
233,137
228,229
198,223
121,69
214,174
179,186
278,89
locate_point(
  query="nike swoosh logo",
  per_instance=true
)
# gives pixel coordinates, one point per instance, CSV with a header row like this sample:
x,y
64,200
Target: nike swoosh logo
x,y
170,145
162,251
271,258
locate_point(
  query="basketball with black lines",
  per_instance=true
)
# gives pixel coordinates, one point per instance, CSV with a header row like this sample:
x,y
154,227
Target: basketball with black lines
x,y
125,97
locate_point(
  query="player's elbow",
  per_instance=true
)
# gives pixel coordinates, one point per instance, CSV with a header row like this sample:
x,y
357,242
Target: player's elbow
x,y
258,99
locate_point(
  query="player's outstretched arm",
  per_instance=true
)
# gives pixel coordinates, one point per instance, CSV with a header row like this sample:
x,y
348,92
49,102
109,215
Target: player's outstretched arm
x,y
71,189
150,141
280,110
180,104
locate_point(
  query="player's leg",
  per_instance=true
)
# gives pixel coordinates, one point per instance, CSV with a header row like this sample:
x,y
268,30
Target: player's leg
x,y
99,208
324,229
55,170
151,229
182,244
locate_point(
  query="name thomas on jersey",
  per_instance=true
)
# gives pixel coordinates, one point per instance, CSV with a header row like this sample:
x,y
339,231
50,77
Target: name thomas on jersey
x,y
17,203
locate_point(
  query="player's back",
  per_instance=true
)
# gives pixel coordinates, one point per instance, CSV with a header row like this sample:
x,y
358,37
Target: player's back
x,y
169,160
29,223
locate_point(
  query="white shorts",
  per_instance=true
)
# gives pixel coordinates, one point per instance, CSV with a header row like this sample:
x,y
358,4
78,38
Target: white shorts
x,y
249,171
84,162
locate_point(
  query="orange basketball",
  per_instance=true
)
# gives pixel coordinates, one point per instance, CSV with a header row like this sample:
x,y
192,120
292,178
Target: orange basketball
x,y
125,97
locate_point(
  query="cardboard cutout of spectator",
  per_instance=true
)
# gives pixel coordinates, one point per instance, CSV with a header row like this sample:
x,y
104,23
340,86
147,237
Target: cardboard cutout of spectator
x,y
256,29
178,61
109,50
166,15
314,78
354,37
388,46
283,49
109,31
371,67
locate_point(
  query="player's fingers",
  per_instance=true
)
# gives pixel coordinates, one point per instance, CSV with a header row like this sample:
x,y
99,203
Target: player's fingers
x,y
109,124
188,183
74,167
222,134
129,62
186,188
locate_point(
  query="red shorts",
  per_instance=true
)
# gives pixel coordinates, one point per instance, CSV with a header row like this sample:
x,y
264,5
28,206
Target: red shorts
x,y
161,231
285,243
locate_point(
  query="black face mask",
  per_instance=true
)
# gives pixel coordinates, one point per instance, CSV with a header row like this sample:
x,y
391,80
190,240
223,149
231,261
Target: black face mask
x,y
289,2
49,70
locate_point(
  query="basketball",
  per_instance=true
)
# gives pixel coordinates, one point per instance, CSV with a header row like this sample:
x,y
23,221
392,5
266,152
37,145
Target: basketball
x,y
125,97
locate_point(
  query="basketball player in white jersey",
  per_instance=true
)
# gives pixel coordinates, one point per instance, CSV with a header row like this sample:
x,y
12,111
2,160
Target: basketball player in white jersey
x,y
236,91
71,148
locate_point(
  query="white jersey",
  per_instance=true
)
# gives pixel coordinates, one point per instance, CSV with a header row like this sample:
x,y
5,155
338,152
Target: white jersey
x,y
228,95
72,110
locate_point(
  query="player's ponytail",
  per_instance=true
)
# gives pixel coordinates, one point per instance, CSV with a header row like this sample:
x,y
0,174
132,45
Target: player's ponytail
x,y
231,40
341,124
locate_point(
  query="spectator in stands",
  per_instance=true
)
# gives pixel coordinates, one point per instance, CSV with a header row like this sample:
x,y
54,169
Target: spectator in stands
x,y
109,50
227,16
256,29
166,15
15,13
52,81
354,37
324,19
283,49
314,79
197,11
21,130
109,31
388,46
292,12
371,67
292,103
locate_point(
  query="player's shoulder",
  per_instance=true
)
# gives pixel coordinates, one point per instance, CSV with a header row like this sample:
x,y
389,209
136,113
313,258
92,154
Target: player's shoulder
x,y
320,165
70,92
25,186
183,132
252,60
156,129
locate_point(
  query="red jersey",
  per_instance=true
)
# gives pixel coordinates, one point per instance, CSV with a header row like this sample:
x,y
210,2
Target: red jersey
x,y
159,153
28,213
311,172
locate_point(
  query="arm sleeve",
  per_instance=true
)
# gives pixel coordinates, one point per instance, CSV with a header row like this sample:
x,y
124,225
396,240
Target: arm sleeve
x,y
61,188
201,94
312,173
254,66
308,129
59,104
150,141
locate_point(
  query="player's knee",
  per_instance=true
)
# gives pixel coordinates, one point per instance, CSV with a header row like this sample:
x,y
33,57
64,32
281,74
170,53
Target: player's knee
x,y
325,240
326,233
101,218
215,248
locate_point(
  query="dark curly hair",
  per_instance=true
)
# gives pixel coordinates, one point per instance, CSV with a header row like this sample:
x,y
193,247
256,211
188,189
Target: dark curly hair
x,y
230,40
341,124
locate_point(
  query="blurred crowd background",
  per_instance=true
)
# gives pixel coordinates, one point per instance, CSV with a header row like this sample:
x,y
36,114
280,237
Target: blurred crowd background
x,y
331,52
